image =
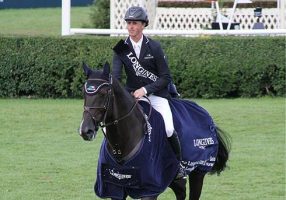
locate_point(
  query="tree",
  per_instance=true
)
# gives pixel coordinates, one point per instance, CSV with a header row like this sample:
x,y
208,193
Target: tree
x,y
100,15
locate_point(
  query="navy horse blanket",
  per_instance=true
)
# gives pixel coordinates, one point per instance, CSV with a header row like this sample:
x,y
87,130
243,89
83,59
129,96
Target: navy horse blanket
x,y
151,170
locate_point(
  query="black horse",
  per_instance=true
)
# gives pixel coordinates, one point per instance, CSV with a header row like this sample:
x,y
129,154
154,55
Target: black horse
x,y
127,127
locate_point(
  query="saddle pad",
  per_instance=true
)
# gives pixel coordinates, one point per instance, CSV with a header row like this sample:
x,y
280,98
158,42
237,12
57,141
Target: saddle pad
x,y
197,134
153,167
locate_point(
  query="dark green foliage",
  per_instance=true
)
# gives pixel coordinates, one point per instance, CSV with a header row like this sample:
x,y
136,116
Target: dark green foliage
x,y
100,14
208,67
213,67
48,67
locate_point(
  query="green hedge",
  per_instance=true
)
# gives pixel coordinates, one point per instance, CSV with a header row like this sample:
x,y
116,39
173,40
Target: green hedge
x,y
208,67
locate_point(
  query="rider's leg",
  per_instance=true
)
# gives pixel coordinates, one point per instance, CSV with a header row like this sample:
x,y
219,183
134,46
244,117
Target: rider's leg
x,y
162,106
176,146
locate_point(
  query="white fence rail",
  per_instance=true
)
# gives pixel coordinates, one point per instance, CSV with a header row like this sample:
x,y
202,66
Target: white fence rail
x,y
167,22
180,32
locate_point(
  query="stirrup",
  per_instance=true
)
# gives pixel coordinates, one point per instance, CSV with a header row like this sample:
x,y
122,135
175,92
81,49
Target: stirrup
x,y
181,172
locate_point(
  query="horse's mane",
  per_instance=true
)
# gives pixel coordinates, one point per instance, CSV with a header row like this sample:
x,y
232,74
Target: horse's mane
x,y
119,90
122,98
125,99
104,74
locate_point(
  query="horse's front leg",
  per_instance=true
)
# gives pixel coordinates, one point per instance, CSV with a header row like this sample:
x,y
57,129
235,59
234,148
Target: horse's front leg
x,y
144,198
179,188
149,198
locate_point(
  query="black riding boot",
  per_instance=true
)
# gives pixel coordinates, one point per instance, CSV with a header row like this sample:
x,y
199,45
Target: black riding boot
x,y
176,146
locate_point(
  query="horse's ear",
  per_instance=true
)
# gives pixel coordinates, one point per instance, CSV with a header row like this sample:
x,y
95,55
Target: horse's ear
x,y
86,69
106,69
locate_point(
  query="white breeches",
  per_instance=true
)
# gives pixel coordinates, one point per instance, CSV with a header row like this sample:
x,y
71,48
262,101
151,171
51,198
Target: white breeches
x,y
162,106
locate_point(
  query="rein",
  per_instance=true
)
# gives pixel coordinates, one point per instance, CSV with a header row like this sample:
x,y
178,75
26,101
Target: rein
x,y
103,124
106,107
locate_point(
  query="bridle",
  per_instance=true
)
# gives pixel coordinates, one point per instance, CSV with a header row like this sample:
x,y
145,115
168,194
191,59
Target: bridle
x,y
106,106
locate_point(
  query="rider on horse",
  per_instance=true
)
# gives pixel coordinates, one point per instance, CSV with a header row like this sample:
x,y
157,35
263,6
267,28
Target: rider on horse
x,y
147,72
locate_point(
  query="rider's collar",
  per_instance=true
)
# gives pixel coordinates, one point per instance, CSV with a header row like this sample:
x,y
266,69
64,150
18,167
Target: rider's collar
x,y
139,43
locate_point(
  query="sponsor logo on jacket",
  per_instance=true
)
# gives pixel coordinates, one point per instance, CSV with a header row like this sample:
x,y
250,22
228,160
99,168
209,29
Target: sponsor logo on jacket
x,y
139,70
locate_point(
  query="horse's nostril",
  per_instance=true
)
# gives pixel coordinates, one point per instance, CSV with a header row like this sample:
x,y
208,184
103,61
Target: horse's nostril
x,y
88,134
85,130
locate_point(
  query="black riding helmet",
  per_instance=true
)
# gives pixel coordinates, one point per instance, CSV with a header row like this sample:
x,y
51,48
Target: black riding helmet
x,y
136,13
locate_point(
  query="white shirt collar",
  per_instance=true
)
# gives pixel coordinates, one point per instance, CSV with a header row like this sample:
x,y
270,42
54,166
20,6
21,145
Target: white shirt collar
x,y
139,43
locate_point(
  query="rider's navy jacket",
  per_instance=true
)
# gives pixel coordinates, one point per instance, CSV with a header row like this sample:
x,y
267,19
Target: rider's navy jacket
x,y
150,70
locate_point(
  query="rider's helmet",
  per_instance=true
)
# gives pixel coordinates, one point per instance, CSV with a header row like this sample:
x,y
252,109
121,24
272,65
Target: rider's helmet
x,y
136,13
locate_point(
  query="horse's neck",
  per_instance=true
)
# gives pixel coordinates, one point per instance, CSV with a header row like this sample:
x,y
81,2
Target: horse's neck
x,y
127,133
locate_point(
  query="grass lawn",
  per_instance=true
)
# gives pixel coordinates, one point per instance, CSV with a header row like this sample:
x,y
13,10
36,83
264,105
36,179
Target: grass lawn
x,y
39,21
42,156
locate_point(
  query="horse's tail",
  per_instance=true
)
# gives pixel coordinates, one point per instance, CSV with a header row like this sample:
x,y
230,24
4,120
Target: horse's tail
x,y
224,146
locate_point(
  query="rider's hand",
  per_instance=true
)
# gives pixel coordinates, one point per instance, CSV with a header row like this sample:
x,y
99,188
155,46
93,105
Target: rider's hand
x,y
139,93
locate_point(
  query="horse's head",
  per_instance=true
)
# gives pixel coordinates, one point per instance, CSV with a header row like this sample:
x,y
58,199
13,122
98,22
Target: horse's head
x,y
97,97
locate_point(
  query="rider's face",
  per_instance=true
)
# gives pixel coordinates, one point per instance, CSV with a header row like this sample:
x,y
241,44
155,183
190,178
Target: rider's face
x,y
135,29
